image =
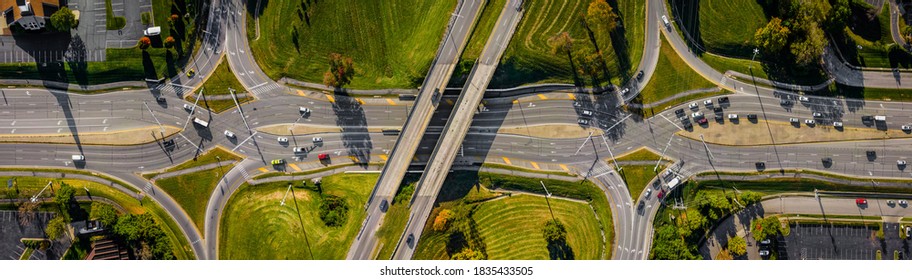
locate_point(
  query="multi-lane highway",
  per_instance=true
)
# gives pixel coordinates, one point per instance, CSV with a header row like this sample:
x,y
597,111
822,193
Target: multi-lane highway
x,y
455,130
428,98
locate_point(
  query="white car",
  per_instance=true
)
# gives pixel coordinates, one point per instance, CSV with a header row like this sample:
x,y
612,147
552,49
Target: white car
x,y
625,91
708,102
188,107
901,162
587,113
809,122
298,149
903,203
303,110
283,140
648,192
793,120
583,121
802,99
318,139
693,105
817,115
229,134
78,157
906,128
837,124
696,115
733,116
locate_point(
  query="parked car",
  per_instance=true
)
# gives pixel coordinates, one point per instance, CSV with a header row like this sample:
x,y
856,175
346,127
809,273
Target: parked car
x,y
906,128
693,105
702,121
697,115
809,122
901,162
661,194
318,140
793,120
587,113
160,99
837,124
732,116
229,134
891,203
760,165
903,203
679,112
723,99
583,121
648,192
785,102
803,99
708,102
752,116
766,241
764,253
867,119
817,115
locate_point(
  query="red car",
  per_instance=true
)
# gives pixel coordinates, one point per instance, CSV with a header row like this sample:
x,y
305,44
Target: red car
x,y
322,156
661,194
702,121
861,201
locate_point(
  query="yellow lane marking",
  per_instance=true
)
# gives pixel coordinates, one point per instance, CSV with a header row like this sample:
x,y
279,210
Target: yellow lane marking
x,y
535,164
564,167
331,98
263,169
360,101
450,101
390,101
300,92
542,96
414,158
507,161
515,101
295,167
383,157
573,97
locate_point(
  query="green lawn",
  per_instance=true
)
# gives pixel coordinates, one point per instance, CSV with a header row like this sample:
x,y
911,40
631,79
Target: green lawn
x,y
477,40
113,22
391,42
874,37
637,177
867,93
29,186
256,227
207,158
641,154
217,84
672,76
722,64
510,227
529,60
723,26
192,191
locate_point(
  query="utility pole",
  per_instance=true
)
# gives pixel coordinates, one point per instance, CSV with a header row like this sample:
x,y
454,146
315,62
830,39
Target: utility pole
x,y
240,111
286,195
656,168
584,143
156,118
35,197
547,196
711,157
616,166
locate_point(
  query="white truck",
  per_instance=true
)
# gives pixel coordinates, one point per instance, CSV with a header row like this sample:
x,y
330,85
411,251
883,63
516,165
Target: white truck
x,y
880,118
200,122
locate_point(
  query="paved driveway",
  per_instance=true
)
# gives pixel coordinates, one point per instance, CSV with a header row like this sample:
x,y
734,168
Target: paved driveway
x,y
11,232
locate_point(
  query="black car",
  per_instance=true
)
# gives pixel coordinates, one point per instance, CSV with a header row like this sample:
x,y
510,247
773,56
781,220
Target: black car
x,y
871,153
760,165
867,119
752,116
785,102
679,111
723,99
640,75
688,125
717,110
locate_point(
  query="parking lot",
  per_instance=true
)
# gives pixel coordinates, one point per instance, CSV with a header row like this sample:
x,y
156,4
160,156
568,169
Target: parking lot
x,y
11,232
821,242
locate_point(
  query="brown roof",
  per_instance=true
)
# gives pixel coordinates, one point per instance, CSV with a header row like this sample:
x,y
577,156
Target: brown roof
x,y
36,6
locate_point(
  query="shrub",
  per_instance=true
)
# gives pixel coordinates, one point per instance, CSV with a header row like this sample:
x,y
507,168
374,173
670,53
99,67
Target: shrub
x,y
333,211
146,18
169,42
441,222
144,43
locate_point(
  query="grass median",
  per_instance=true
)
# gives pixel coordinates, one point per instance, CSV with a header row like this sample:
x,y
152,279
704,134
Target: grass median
x,y
672,76
392,43
255,226
636,177
215,89
192,191
747,133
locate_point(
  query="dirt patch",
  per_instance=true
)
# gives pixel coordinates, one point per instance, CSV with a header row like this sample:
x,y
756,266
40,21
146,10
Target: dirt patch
x,y
747,133
111,138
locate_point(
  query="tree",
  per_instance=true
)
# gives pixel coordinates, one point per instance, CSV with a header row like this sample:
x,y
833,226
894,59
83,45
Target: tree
x,y
601,16
561,42
27,212
808,49
691,222
141,229
773,37
169,42
468,254
65,198
441,222
737,246
174,18
554,231
104,213
55,228
341,70
839,15
63,19
144,43
723,256
749,197
766,228
668,245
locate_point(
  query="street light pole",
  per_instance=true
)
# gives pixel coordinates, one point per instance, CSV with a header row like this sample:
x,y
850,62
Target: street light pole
x,y
711,157
616,166
162,128
584,143
548,195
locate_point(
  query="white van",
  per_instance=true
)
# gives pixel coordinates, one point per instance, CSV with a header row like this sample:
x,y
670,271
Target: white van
x,y
665,20
78,157
201,122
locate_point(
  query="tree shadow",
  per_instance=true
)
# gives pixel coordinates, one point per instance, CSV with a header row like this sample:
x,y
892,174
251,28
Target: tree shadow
x,y
351,118
148,66
687,15
560,250
171,66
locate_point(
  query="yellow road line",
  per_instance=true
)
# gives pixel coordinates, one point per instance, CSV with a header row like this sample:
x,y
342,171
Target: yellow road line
x,y
515,101
300,92
414,158
573,97
390,101
383,157
295,167
507,161
360,101
564,167
263,169
331,98
450,101
535,164
542,96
